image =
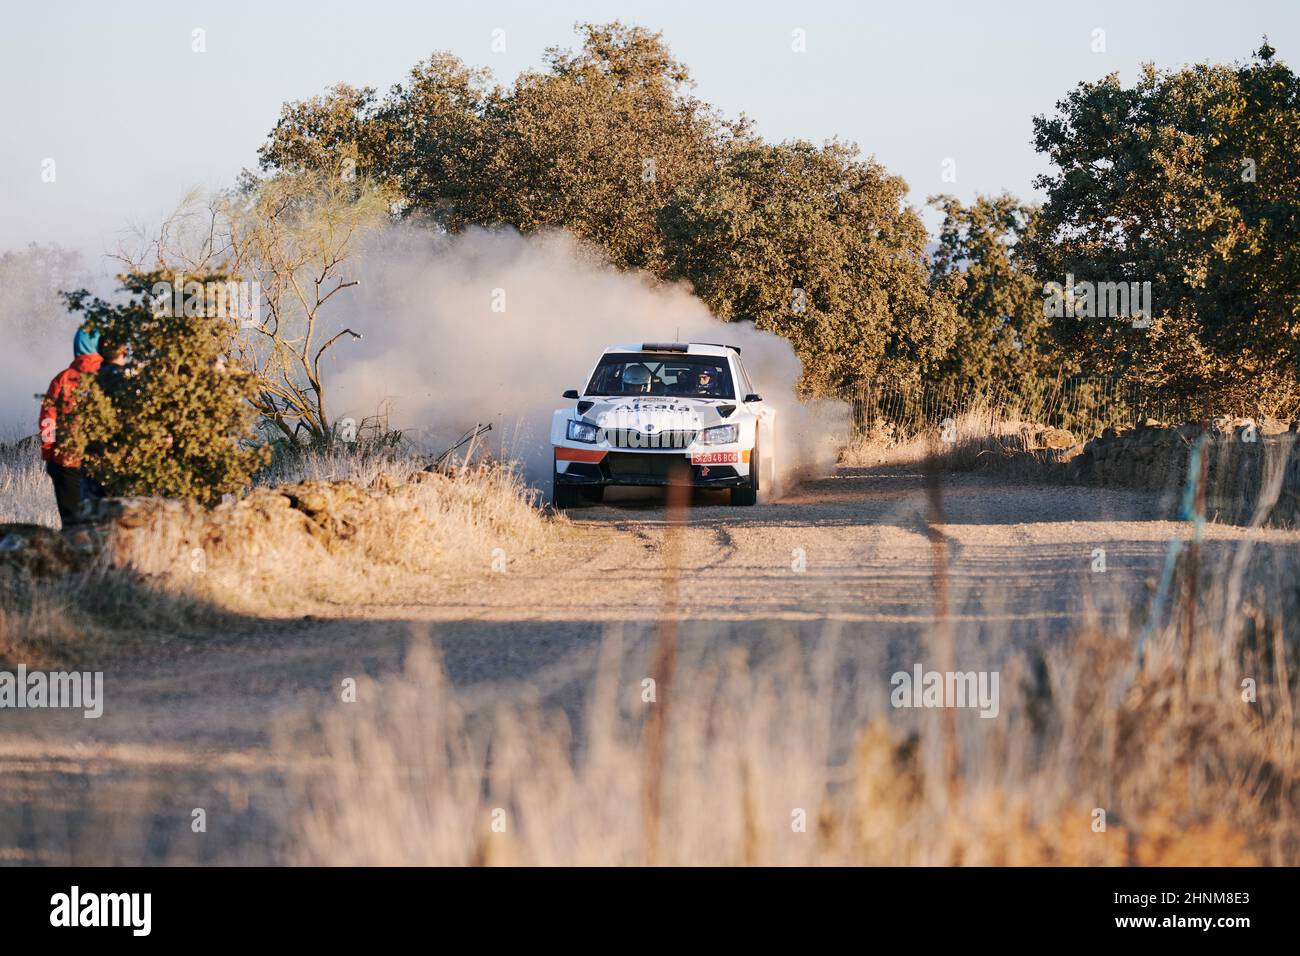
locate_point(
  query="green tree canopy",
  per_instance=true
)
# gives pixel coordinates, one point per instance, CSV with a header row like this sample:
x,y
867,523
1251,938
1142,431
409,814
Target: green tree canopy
x,y
609,142
595,143
1002,334
1190,180
816,245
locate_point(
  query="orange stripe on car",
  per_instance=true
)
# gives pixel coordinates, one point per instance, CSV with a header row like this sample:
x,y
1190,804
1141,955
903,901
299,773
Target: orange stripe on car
x,y
579,454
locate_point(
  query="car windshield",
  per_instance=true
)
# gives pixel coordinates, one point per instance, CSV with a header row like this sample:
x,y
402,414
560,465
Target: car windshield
x,y
695,376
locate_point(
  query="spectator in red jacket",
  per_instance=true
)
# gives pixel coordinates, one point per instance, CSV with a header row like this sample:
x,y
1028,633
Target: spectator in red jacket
x,y
64,470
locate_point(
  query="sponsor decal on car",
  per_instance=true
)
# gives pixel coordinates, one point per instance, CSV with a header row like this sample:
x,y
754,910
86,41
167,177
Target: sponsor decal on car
x,y
637,405
715,458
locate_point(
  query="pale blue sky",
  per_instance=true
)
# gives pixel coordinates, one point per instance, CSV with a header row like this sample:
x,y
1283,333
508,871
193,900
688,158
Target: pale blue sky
x,y
133,118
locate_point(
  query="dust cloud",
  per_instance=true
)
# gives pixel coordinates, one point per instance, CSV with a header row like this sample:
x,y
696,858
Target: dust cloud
x,y
35,329
490,326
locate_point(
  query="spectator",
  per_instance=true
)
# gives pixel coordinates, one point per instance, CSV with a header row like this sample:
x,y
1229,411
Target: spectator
x,y
112,374
115,370
64,469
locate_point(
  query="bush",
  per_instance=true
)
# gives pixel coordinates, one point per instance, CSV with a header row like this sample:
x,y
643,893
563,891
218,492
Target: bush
x,y
178,423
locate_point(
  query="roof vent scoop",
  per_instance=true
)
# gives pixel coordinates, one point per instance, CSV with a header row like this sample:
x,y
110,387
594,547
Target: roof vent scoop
x,y
664,347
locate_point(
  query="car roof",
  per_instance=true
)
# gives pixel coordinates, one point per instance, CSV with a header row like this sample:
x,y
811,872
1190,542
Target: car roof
x,y
688,348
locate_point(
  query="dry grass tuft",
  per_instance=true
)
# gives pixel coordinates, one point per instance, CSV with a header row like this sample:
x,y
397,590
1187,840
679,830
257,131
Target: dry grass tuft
x,y
26,496
36,626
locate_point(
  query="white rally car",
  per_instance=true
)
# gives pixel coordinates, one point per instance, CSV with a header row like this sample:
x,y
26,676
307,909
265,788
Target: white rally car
x,y
664,413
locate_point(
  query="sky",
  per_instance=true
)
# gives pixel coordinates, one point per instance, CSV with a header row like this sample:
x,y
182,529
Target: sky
x,y
133,117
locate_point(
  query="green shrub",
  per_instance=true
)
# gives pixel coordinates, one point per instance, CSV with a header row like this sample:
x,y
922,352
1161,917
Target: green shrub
x,y
179,423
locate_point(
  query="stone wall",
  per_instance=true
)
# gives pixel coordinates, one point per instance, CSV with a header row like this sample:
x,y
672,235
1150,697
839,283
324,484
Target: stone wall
x,y
1243,461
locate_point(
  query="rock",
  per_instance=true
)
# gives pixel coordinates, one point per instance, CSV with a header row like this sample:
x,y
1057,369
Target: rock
x,y
85,540
38,550
315,498
1057,438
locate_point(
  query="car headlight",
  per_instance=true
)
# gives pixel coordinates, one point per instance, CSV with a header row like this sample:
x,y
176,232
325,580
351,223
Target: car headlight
x,y
721,435
583,431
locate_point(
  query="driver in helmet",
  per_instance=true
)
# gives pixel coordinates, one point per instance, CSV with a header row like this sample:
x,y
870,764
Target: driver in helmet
x,y
636,380
706,381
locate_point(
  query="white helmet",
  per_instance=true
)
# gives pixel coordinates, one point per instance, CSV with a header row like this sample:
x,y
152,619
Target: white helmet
x,y
636,376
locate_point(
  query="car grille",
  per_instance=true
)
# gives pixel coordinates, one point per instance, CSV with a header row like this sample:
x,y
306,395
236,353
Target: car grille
x,y
670,439
625,466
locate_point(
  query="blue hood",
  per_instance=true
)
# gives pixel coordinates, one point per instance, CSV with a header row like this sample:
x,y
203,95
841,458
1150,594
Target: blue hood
x,y
85,342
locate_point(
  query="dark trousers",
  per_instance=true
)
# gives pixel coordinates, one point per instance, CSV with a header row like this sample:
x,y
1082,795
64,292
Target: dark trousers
x,y
67,491
90,488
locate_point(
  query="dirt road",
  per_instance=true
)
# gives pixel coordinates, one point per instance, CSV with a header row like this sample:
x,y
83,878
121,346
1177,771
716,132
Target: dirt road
x,y
850,557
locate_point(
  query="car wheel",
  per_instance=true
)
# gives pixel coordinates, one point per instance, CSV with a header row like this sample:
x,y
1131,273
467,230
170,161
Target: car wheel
x,y
562,495
748,494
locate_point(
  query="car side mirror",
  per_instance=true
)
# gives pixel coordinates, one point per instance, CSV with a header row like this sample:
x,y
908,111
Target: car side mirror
x,y
751,397
571,393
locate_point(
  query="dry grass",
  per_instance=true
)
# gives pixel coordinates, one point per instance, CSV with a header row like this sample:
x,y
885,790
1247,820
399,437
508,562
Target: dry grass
x,y
84,616
363,463
173,567
1186,771
37,625
393,541
26,495
977,438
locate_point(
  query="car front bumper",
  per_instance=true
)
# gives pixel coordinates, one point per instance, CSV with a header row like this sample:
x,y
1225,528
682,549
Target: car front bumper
x,y
723,467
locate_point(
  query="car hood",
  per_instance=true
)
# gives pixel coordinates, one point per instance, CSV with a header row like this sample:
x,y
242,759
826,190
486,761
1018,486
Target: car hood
x,y
658,413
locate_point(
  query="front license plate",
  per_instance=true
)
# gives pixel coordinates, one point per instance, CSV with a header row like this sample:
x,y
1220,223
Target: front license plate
x,y
715,458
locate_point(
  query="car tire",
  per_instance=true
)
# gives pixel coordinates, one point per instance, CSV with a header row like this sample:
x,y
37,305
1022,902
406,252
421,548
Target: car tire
x,y
747,494
562,495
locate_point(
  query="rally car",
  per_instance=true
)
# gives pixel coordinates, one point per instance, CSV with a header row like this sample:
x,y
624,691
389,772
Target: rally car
x,y
663,413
